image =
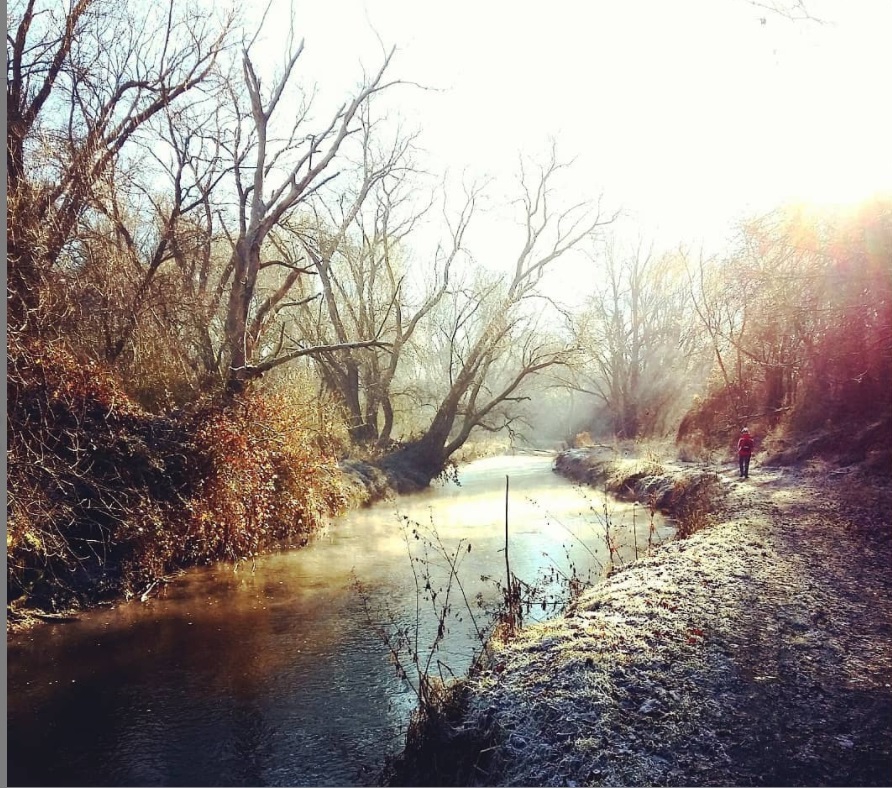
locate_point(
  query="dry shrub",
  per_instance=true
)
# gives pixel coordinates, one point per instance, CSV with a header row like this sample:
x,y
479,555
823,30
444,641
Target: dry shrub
x,y
88,471
480,448
103,496
713,422
265,480
692,500
319,412
440,748
624,475
693,448
583,440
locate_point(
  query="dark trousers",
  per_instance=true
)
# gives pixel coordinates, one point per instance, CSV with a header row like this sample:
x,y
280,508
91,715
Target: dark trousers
x,y
744,464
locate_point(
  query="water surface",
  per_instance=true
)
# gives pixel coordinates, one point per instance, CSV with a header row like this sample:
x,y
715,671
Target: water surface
x,y
274,675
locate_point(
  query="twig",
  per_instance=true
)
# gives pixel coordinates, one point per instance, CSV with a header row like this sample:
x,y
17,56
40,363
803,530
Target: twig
x,y
509,586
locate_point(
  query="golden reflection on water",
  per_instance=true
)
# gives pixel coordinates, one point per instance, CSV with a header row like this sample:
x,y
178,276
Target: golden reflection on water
x,y
277,659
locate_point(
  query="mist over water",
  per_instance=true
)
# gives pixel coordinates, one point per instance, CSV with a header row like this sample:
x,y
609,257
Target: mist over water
x,y
274,676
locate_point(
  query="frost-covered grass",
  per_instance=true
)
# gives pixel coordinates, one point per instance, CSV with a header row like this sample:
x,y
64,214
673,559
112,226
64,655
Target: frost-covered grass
x,y
753,652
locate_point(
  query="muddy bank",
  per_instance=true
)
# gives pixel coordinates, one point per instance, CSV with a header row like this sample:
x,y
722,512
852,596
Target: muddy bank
x,y
754,652
365,483
369,481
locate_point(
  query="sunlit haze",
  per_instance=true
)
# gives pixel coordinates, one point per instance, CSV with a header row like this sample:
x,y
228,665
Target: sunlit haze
x,y
686,114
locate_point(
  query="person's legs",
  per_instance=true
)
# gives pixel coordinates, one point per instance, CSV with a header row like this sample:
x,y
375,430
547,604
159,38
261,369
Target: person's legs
x,y
740,462
746,467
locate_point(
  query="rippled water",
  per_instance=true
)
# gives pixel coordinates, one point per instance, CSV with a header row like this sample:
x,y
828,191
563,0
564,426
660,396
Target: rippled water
x,y
274,676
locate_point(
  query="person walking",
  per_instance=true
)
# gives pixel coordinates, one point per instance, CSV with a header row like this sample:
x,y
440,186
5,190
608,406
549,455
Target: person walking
x,y
744,452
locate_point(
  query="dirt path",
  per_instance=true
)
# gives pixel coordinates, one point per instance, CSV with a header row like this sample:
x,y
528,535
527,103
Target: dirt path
x,y
756,652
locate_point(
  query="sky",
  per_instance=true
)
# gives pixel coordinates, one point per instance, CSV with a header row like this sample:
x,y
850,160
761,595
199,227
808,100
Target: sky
x,y
687,114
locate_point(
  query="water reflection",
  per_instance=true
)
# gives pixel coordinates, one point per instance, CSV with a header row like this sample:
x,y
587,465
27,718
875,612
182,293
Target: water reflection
x,y
273,676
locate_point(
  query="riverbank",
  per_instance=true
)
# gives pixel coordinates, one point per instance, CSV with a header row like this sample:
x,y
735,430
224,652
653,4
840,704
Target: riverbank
x,y
690,493
367,481
753,652
357,482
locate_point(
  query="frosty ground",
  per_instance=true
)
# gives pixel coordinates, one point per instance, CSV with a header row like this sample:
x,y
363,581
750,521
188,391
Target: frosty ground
x,y
754,652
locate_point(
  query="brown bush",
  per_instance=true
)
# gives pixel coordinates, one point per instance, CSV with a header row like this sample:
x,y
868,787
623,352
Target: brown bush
x,y
103,496
713,423
88,471
692,501
264,481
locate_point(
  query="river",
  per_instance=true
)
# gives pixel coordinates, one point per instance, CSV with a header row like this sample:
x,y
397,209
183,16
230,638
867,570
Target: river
x,y
272,674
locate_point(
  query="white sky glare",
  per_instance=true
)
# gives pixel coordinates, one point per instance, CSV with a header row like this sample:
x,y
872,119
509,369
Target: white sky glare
x,y
687,113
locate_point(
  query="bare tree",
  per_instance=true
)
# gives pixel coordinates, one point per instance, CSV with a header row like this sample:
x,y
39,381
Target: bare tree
x,y
641,351
151,279
365,292
798,315
492,329
82,80
238,281
794,10
273,176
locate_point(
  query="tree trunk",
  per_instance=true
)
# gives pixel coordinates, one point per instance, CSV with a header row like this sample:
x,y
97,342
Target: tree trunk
x,y
387,429
423,460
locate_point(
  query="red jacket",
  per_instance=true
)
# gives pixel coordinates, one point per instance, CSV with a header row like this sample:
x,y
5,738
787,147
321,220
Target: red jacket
x,y
745,445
